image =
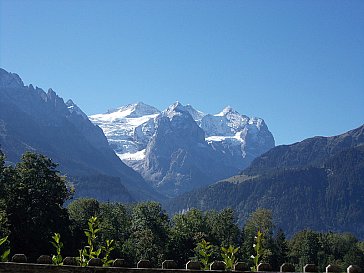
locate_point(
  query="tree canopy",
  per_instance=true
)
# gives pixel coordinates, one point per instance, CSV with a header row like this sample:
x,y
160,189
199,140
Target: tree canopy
x,y
33,195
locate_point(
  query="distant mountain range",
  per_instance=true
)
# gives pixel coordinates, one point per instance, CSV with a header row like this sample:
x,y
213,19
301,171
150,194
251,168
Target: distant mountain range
x,y
181,148
168,152
317,183
34,120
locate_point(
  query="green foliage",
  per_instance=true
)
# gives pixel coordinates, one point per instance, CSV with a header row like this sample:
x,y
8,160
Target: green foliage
x,y
341,249
4,257
258,250
259,221
82,209
4,227
279,250
35,194
115,224
32,196
106,261
82,257
304,248
187,230
149,233
222,227
204,252
58,245
90,250
228,255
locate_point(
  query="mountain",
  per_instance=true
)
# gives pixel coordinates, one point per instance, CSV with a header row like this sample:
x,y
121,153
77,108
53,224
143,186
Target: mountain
x,y
181,148
310,152
302,187
128,129
34,120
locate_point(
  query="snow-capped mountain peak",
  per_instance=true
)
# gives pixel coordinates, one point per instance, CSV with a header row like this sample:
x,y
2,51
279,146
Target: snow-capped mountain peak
x,y
178,108
135,110
196,114
174,146
128,128
227,110
175,109
130,111
141,109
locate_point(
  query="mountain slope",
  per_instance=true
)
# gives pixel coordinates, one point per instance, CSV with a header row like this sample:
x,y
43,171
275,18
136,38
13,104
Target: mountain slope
x,y
181,148
325,195
31,119
309,152
177,157
128,129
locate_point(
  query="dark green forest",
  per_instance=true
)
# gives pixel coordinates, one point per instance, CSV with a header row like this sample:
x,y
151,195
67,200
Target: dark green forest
x,y
32,208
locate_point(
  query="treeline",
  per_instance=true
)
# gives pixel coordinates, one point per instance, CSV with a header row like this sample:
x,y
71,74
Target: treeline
x,y
32,209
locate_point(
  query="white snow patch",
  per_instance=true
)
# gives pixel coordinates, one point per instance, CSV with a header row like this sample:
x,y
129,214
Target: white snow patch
x,y
140,155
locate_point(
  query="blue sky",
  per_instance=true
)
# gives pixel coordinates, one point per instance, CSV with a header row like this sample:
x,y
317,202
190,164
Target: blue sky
x,y
297,64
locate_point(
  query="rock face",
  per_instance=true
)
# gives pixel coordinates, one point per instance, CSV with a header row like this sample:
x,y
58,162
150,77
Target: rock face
x,y
181,148
34,120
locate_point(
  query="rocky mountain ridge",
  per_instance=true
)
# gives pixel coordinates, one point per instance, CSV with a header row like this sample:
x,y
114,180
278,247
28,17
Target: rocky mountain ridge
x,y
182,148
34,120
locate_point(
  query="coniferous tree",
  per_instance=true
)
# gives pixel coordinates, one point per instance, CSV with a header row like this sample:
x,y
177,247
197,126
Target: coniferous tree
x,y
280,250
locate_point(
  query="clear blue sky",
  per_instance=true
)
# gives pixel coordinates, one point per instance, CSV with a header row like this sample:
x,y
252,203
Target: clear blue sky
x,y
297,64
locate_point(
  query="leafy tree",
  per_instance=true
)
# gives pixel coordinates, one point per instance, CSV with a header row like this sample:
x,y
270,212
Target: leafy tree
x,y
148,239
304,248
259,220
35,194
115,224
187,230
340,249
222,227
82,209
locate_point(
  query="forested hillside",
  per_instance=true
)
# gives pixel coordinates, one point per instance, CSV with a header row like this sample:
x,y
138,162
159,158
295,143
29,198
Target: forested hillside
x,y
32,211
326,195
